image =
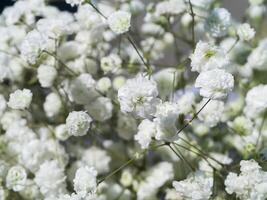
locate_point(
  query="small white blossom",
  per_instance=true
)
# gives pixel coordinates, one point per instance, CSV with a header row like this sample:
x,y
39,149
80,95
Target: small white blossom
x,y
46,75
20,99
245,32
111,63
52,104
119,22
139,96
218,22
250,184
85,180
16,178
78,123
197,186
207,57
146,130
214,84
50,178
212,113
170,7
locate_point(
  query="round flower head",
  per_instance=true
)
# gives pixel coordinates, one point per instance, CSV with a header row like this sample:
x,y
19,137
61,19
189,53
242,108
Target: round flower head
x,y
20,99
52,104
16,178
207,57
214,84
218,22
197,186
78,123
245,32
138,96
85,180
111,63
46,75
119,22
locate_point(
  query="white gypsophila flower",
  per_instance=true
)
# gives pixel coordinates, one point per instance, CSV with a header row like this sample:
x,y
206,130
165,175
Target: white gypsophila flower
x,y
170,7
214,84
146,130
111,63
46,75
166,120
85,180
103,84
256,103
242,125
33,154
218,22
31,191
100,109
52,104
74,2
82,89
20,99
16,178
245,32
50,178
256,2
211,115
126,178
32,46
119,22
207,57
258,57
3,193
197,186
61,132
126,126
54,27
78,123
139,96
156,178
3,104
250,184
186,102
97,158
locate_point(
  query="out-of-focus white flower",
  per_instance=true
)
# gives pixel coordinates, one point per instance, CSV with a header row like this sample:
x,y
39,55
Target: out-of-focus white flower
x,y
166,121
2,104
100,109
218,22
111,63
16,178
242,125
82,89
207,57
78,123
146,130
245,32
97,158
139,96
52,104
33,44
170,7
197,186
119,22
250,184
74,2
212,113
50,178
214,84
258,57
61,132
85,180
103,84
20,99
46,75
256,103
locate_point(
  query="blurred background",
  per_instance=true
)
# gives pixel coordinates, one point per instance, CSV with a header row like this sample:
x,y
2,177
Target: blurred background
x,y
236,7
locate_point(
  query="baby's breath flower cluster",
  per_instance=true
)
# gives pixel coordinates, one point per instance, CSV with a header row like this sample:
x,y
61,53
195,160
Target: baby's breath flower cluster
x,y
126,100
